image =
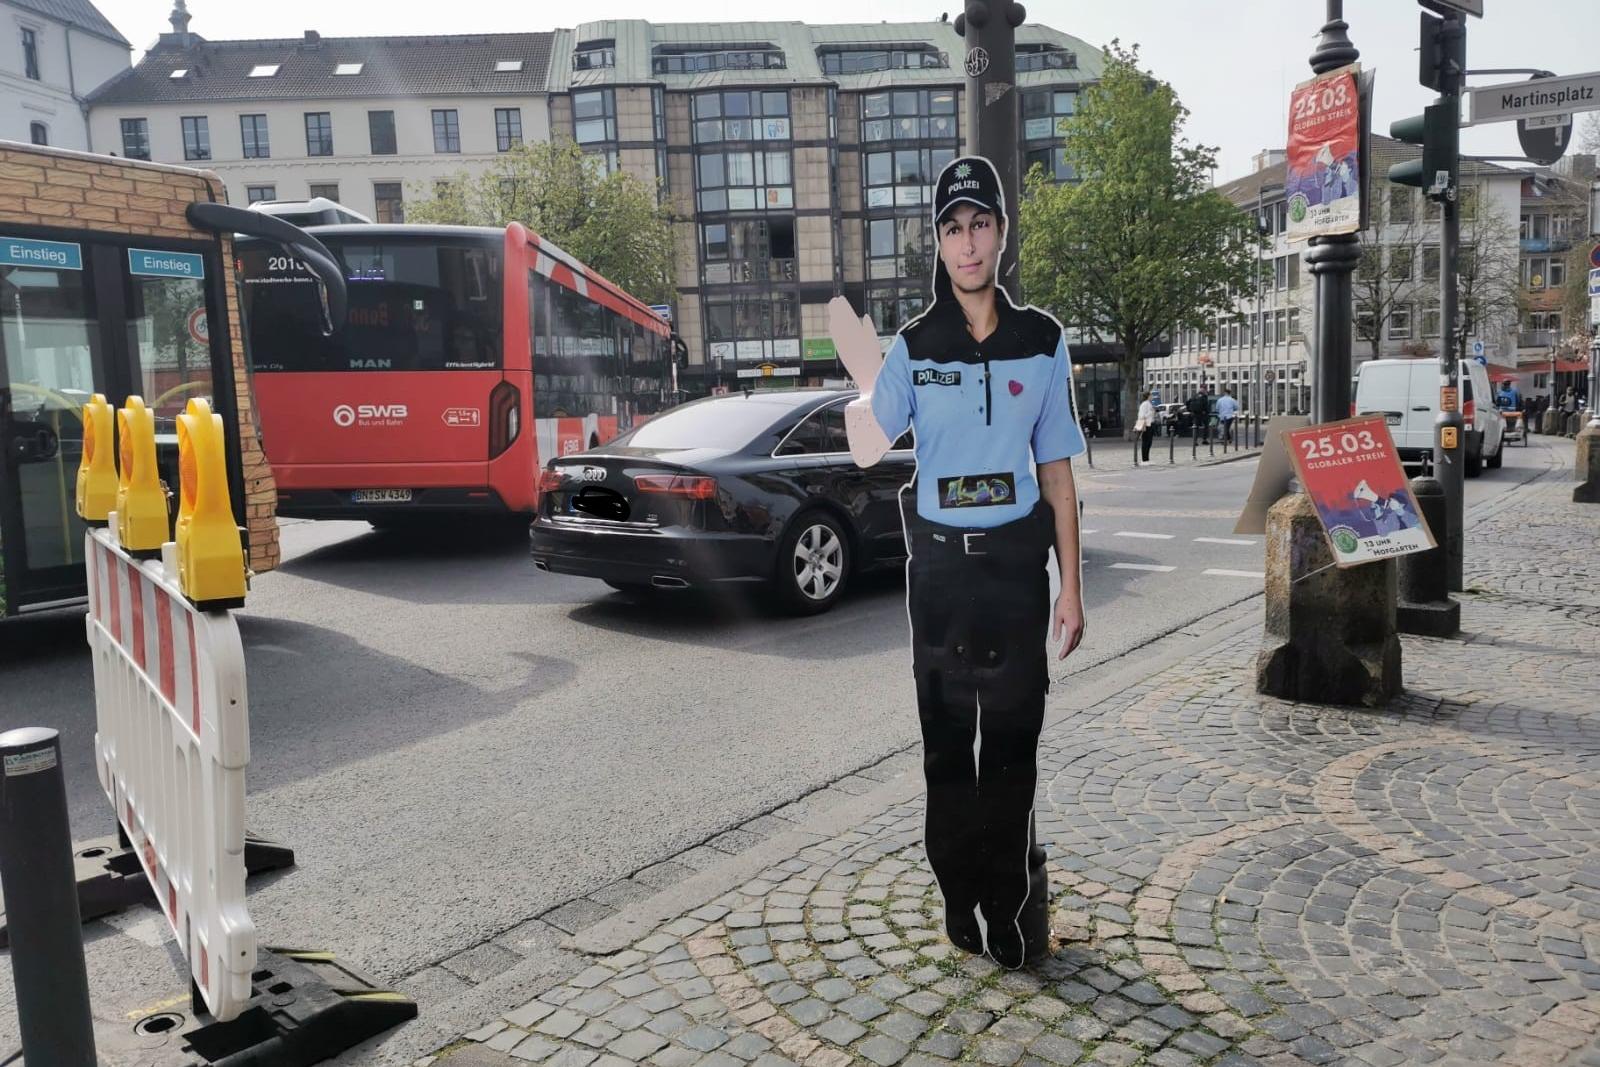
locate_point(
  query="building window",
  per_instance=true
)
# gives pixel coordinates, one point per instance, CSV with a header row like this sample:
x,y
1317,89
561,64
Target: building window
x,y
256,193
867,60
1400,323
345,70
30,53
390,204
380,127
1031,57
1430,263
319,133
904,177
196,137
508,66
1294,323
1534,272
899,247
1366,325
891,309
326,190
507,128
745,181
446,130
136,138
253,133
1054,162
594,55
909,115
594,116
38,133
1402,207
264,70
1401,264
668,60
1043,111
658,113
753,326
741,116
1558,272
1430,319
748,250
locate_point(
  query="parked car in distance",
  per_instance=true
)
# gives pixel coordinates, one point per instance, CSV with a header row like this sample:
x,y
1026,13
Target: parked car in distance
x,y
745,490
1406,393
1172,417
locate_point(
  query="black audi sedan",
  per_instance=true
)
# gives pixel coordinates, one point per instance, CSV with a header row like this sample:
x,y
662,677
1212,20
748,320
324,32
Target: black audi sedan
x,y
739,490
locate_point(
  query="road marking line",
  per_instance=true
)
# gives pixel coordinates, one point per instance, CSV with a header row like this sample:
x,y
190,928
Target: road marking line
x,y
1222,541
1233,574
1146,536
1156,567
1088,531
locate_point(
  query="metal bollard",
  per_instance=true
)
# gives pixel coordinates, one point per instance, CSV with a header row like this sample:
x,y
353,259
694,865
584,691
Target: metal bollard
x,y
1088,448
1425,606
1172,447
36,875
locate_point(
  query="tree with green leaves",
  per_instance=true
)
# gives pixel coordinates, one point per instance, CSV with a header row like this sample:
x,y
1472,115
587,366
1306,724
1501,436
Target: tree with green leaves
x,y
612,222
1141,244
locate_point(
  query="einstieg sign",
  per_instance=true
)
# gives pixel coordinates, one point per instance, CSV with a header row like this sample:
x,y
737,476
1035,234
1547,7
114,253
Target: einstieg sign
x,y
1534,99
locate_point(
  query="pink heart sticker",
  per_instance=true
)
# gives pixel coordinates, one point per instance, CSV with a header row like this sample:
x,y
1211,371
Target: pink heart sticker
x,y
1016,387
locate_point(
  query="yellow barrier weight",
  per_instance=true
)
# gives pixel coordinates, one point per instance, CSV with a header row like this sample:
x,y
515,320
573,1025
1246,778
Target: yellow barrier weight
x,y
211,564
141,502
97,470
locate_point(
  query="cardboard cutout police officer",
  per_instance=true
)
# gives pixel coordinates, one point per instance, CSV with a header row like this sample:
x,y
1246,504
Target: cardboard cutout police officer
x,y
987,387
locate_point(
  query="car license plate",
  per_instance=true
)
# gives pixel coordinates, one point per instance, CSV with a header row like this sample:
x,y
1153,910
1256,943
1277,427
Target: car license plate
x,y
381,496
1392,419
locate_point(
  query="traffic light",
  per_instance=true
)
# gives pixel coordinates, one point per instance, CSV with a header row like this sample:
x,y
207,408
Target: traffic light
x,y
1441,53
1438,131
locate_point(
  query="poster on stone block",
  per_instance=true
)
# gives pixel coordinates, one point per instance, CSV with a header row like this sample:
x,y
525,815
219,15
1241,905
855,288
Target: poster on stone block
x,y
1322,181
1352,473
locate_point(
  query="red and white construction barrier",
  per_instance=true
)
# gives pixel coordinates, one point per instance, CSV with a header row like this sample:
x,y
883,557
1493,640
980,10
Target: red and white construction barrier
x,y
172,742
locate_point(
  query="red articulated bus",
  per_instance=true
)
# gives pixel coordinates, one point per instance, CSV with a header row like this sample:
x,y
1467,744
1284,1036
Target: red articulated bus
x,y
469,356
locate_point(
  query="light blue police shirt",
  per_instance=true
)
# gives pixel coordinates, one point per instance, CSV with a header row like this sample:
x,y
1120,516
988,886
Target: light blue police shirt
x,y
984,412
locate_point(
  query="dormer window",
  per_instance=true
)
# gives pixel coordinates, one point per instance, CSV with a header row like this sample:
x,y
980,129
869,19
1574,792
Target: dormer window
x,y
507,66
264,70
856,59
348,68
594,55
1044,57
181,72
694,59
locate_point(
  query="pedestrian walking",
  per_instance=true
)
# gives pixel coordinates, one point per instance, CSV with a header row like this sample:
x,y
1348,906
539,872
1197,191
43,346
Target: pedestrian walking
x,y
1227,411
987,386
1200,413
1145,425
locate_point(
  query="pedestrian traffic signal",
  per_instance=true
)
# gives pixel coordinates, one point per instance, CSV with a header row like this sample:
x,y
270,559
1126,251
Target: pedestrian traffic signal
x,y
1437,130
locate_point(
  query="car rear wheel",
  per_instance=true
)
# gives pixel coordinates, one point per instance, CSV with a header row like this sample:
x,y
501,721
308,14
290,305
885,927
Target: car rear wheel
x,y
1499,457
813,563
1474,464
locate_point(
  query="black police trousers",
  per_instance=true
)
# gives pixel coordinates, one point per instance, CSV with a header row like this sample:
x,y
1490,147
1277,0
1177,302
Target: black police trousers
x,y
979,603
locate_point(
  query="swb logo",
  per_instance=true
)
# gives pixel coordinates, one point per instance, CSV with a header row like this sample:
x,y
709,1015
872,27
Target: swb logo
x,y
389,414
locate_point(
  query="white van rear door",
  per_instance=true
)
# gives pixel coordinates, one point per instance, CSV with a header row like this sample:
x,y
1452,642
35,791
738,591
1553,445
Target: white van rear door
x,y
1422,405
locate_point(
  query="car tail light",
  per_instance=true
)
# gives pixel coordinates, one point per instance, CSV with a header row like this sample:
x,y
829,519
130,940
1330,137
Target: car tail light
x,y
550,481
1469,409
1352,409
695,487
505,417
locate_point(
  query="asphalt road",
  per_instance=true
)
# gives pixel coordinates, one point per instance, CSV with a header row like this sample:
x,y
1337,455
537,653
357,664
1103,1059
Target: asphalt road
x,y
454,742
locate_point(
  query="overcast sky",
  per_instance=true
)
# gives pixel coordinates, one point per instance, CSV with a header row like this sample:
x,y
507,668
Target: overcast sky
x,y
1233,62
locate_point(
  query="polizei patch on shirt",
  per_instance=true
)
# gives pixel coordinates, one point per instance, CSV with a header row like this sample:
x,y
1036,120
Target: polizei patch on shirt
x,y
929,376
977,490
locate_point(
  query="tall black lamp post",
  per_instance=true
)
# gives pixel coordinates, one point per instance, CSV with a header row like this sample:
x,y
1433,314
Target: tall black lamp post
x,y
989,28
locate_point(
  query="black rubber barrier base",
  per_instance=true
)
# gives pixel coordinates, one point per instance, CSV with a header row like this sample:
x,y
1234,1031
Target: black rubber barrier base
x,y
306,1007
110,878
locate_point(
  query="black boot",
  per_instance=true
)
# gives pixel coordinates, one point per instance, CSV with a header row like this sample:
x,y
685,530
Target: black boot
x,y
961,926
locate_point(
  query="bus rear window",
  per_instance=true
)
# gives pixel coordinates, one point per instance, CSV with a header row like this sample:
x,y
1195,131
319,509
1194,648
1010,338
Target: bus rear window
x,y
413,305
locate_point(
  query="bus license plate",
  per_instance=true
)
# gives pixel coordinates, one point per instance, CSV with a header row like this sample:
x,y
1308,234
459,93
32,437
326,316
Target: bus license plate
x,y
381,496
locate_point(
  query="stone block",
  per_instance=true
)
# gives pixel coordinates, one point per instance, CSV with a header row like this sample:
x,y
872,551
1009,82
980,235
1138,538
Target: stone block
x,y
1330,632
1588,466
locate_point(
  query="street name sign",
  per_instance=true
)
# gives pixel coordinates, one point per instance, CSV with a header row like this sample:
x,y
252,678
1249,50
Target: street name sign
x,y
1535,98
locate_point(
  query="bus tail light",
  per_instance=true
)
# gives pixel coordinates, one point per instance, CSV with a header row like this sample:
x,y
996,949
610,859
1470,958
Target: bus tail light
x,y
694,487
505,417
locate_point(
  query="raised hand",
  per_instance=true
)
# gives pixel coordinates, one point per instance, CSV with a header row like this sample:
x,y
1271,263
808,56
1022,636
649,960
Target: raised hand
x,y
857,342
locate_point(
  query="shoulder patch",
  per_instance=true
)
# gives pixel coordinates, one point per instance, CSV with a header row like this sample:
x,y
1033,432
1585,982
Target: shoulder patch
x,y
1038,332
927,336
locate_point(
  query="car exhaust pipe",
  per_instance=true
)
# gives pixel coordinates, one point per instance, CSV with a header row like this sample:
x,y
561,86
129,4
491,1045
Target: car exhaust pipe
x,y
541,565
668,581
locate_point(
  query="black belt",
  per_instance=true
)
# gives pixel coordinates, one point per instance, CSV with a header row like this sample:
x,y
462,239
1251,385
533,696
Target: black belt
x,y
1033,530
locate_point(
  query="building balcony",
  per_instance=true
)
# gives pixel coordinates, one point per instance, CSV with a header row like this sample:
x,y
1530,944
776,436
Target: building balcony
x,y
1536,339
1546,244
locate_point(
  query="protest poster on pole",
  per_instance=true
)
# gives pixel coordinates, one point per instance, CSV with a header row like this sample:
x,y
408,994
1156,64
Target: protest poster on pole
x,y
1352,474
1322,181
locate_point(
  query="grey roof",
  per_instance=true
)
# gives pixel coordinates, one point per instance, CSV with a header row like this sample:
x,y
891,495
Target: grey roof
x,y
391,66
78,13
637,40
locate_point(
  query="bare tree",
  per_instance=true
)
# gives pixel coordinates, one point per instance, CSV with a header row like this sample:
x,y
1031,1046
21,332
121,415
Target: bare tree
x,y
1488,274
1389,275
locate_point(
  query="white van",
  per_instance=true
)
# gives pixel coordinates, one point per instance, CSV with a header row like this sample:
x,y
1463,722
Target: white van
x,y
1406,393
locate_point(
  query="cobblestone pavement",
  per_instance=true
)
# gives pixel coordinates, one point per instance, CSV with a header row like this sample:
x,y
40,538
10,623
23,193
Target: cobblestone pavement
x,y
1237,879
